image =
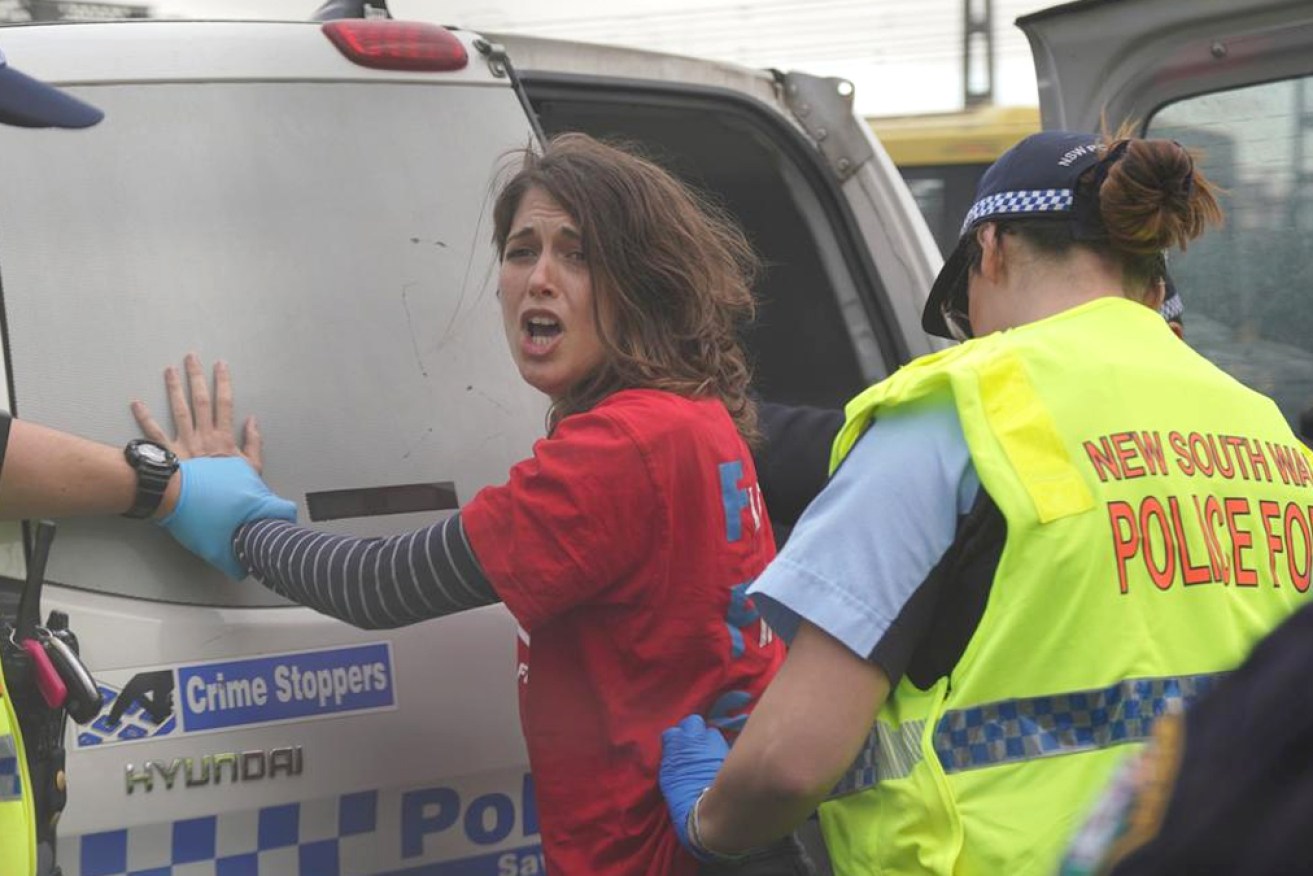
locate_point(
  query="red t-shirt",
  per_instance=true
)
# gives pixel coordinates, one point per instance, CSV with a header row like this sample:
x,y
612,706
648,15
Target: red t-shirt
x,y
624,547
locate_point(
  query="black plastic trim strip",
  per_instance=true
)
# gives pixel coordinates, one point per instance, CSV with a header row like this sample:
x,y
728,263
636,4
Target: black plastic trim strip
x,y
381,501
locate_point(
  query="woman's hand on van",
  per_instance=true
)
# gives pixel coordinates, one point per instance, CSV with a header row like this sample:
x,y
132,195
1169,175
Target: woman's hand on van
x,y
205,426
220,486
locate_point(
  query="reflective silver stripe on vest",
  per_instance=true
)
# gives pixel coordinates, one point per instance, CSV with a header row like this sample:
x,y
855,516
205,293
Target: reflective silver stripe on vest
x,y
11,778
888,753
1066,723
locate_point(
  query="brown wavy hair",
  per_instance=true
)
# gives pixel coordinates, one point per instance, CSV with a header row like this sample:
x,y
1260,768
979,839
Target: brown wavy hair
x,y
672,274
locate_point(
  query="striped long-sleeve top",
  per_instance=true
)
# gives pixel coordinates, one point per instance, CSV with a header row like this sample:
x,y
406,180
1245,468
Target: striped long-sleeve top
x,y
371,583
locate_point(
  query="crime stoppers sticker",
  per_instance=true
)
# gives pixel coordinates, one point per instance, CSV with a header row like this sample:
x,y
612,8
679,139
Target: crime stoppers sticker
x,y
221,695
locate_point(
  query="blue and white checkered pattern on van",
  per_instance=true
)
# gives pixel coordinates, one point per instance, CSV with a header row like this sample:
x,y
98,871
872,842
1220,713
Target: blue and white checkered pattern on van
x,y
1024,202
337,836
317,838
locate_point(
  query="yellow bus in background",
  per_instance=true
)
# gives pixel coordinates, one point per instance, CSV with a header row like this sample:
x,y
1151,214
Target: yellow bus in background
x,y
942,156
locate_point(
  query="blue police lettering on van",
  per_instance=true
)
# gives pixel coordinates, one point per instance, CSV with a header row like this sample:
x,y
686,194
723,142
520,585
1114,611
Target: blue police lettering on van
x,y
307,684
485,820
522,862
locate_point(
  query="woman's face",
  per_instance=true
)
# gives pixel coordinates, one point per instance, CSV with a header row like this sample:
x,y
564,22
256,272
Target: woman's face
x,y
547,297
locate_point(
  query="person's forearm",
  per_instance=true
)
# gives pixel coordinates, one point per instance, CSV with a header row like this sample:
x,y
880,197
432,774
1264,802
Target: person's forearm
x,y
371,583
807,730
48,473
756,799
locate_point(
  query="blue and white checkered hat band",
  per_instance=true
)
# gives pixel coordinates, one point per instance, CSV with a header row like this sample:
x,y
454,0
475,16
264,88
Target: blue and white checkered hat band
x,y
1034,201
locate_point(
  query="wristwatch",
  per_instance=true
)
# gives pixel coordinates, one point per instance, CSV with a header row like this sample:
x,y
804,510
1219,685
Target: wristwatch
x,y
154,465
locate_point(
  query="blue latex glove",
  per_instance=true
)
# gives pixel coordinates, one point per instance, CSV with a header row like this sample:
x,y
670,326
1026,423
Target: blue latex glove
x,y
691,755
217,495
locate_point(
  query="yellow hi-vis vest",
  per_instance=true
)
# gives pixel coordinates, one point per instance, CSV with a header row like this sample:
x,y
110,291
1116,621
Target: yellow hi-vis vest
x,y
17,820
1159,522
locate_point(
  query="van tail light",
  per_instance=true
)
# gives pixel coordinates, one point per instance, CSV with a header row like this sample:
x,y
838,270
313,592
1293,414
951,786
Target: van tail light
x,y
397,45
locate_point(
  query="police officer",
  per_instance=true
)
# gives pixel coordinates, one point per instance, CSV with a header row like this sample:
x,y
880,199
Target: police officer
x,y
1032,544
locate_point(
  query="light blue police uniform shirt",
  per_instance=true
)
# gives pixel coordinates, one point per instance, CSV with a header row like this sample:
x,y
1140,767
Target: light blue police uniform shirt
x,y
883,522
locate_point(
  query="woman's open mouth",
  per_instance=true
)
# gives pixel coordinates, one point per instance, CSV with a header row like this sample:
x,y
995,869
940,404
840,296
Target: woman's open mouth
x,y
542,330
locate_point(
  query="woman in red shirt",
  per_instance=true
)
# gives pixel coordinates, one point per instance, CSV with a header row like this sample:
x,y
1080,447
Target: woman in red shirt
x,y
623,546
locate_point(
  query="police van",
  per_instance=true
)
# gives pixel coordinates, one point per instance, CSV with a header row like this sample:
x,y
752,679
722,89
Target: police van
x,y
311,201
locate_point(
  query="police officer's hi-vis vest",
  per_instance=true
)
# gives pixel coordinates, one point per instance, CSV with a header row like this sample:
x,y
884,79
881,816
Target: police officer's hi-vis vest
x,y
17,824
1159,522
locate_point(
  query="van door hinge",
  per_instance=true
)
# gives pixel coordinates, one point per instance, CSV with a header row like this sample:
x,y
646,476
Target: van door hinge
x,y
499,62
824,107
495,53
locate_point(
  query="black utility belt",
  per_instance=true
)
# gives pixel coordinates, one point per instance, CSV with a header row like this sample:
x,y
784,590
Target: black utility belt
x,y
47,684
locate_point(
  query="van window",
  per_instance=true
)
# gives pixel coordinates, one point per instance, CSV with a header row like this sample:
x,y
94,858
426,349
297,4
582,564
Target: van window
x,y
1249,306
330,240
944,193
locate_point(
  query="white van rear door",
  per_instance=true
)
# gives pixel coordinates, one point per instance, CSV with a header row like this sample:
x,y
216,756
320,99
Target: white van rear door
x,y
253,195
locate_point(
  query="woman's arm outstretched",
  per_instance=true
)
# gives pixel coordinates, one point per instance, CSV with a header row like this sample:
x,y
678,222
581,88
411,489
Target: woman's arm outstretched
x,y
372,583
227,515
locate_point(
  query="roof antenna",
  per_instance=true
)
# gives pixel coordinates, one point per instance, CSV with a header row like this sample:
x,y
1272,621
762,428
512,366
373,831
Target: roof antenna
x,y
977,53
334,9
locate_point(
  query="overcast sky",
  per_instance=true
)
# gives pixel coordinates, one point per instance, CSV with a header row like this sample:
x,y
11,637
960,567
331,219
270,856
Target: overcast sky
x,y
904,56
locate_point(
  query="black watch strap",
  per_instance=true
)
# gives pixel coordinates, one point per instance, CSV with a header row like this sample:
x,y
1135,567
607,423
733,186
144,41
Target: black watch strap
x,y
154,465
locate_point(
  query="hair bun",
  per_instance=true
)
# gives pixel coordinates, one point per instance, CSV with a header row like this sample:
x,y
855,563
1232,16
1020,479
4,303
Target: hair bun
x,y
1153,197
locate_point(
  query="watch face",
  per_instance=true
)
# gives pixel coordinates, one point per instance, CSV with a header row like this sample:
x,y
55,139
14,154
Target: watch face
x,y
152,453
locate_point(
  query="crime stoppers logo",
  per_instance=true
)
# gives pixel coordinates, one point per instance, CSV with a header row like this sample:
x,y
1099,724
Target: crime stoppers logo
x,y
141,709
221,695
